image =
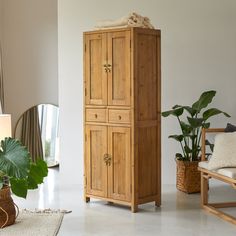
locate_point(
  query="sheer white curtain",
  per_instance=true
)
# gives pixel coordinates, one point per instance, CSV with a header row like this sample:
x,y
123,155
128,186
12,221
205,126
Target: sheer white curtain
x,y
1,84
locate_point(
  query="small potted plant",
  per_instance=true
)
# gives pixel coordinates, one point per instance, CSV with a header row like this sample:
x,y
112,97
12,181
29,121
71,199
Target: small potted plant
x,y
191,120
18,174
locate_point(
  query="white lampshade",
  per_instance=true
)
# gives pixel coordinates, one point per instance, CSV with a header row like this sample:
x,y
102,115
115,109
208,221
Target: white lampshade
x,y
5,126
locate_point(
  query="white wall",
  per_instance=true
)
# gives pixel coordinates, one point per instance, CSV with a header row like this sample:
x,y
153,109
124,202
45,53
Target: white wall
x,y
30,57
198,53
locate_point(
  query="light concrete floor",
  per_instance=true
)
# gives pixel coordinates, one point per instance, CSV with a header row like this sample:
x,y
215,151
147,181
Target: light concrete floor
x,y
180,213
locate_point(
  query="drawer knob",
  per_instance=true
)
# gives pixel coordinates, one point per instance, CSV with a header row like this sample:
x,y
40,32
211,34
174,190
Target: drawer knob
x,y
96,116
119,117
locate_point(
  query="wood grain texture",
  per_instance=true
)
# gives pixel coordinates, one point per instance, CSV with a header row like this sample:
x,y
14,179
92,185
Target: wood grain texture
x,y
220,214
130,110
147,162
95,114
119,175
119,116
96,172
119,73
147,88
95,74
147,112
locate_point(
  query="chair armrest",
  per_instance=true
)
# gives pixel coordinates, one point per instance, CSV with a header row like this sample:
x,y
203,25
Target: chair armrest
x,y
204,131
214,130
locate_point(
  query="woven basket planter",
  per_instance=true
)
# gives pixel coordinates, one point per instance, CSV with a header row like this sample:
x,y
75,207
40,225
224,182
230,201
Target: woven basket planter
x,y
7,208
188,177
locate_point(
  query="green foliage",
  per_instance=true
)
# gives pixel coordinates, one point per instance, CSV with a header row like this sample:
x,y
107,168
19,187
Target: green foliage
x,y
16,167
14,158
191,120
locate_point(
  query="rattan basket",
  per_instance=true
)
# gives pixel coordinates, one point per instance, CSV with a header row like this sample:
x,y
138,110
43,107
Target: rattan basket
x,y
7,208
188,178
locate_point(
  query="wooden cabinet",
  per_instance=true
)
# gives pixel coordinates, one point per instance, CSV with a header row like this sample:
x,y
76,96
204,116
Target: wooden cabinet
x,y
122,105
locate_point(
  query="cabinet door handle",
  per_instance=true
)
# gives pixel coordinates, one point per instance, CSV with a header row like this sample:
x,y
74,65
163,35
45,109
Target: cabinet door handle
x,y
96,116
109,159
105,67
109,67
105,158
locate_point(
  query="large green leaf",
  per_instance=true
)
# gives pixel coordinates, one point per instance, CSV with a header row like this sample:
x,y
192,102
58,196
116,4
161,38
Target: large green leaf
x,y
174,112
206,125
15,165
179,156
14,158
189,109
212,112
186,128
204,100
195,122
19,187
178,138
37,172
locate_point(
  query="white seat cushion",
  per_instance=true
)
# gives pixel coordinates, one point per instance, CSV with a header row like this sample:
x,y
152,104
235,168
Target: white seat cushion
x,y
229,172
203,164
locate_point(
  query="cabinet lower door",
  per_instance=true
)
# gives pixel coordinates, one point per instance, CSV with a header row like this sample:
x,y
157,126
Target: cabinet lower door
x,y
96,169
119,169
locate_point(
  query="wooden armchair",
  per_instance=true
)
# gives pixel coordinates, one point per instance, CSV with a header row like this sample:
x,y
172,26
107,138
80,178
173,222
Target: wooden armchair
x,y
219,175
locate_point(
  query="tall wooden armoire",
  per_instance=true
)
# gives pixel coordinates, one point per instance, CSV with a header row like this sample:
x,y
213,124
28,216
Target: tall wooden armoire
x,y
122,116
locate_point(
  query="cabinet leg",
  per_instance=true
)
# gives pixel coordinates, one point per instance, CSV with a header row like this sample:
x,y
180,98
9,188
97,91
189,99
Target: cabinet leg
x,y
134,208
158,202
87,199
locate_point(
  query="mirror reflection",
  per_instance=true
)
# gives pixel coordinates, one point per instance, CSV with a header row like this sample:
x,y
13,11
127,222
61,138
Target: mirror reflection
x,y
37,129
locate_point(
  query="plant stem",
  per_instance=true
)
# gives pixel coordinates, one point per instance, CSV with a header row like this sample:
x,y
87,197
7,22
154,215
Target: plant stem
x,y
195,140
196,144
182,148
199,139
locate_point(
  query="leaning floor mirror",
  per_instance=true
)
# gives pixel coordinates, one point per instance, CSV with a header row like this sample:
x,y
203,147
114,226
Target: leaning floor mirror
x,y
37,129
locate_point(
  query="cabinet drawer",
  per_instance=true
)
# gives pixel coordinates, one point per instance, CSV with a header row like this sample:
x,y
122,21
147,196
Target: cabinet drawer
x,y
119,116
97,115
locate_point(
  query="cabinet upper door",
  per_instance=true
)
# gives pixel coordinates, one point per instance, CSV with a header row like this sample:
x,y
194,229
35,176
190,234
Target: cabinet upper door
x,y
95,151
94,66
118,52
119,168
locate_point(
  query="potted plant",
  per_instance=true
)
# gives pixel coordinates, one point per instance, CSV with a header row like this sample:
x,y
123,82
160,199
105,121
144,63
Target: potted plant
x,y
191,120
18,174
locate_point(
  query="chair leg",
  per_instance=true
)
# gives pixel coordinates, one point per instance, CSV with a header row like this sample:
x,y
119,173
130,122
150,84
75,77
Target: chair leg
x,y
204,190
